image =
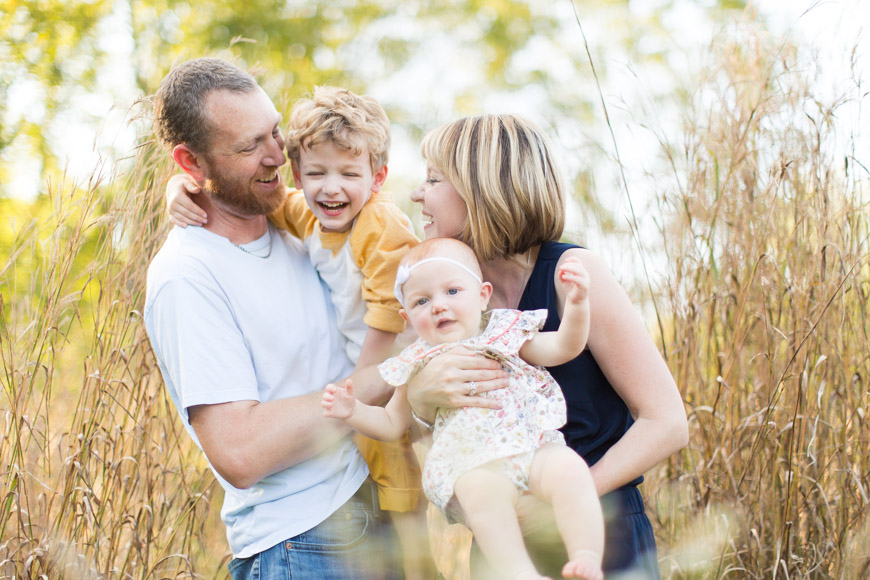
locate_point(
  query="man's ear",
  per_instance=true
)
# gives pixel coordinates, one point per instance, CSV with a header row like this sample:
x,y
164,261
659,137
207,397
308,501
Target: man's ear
x,y
485,294
189,161
297,175
380,177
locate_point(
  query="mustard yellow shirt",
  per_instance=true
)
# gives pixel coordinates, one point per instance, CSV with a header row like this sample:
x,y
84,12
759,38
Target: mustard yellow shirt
x,y
359,266
379,237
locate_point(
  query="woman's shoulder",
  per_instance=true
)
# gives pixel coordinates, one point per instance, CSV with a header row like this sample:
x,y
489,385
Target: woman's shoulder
x,y
557,252
554,250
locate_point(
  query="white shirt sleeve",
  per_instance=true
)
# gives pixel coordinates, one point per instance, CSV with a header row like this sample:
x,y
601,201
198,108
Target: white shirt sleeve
x,y
203,350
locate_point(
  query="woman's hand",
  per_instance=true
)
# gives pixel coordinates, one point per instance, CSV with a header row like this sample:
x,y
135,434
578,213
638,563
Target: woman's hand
x,y
448,379
179,202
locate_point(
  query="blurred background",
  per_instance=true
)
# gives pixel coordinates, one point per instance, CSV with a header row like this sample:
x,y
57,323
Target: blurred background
x,y
718,155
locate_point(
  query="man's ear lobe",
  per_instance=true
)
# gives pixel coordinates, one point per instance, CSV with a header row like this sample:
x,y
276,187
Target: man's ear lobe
x,y
189,161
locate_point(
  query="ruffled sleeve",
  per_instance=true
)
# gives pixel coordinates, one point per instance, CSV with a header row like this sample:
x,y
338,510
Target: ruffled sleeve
x,y
508,330
400,369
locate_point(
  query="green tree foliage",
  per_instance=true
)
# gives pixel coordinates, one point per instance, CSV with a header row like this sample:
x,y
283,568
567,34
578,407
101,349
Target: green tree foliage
x,y
51,51
48,49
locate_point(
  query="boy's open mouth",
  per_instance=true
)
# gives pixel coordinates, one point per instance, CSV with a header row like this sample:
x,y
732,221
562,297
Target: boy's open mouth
x,y
332,207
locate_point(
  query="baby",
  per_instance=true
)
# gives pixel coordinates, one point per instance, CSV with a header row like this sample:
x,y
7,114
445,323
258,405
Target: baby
x,y
482,459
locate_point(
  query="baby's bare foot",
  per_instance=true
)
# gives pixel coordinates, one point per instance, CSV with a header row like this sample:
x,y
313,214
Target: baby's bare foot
x,y
584,564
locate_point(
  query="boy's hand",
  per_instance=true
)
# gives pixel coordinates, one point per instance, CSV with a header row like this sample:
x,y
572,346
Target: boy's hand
x,y
575,279
338,402
179,205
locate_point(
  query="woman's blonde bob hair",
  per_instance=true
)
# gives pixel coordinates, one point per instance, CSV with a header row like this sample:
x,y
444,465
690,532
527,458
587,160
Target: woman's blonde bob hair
x,y
503,169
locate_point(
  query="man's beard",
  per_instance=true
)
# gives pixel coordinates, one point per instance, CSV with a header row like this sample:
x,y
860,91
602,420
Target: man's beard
x,y
237,195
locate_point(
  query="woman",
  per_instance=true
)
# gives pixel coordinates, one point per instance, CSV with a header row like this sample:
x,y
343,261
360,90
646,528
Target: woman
x,y
492,183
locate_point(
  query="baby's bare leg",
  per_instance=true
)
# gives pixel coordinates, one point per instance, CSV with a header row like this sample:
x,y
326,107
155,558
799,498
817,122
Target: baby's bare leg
x,y
488,499
560,477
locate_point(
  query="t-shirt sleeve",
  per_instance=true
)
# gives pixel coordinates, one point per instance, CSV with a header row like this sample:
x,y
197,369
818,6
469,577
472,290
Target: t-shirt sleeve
x,y
294,215
381,236
201,346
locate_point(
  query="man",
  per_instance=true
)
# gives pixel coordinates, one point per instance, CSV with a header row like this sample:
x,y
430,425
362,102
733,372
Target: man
x,y
246,340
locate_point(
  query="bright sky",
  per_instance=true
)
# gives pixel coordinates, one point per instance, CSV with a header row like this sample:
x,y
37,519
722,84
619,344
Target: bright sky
x,y
832,27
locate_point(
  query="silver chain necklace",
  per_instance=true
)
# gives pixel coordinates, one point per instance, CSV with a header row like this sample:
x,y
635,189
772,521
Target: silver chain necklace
x,y
250,253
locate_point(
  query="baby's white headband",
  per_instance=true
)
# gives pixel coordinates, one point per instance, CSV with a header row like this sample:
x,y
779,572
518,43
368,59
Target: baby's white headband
x,y
404,272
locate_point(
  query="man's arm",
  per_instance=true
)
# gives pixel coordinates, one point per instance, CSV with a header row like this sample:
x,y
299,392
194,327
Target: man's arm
x,y
246,441
205,360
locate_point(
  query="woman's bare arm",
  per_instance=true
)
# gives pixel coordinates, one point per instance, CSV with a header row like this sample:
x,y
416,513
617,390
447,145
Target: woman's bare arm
x,y
630,360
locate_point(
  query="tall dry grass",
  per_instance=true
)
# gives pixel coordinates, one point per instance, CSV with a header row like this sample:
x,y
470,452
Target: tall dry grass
x,y
99,479
766,235
765,317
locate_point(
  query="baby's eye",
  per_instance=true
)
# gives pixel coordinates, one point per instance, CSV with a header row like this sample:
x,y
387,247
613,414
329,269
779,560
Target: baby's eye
x,y
421,301
453,291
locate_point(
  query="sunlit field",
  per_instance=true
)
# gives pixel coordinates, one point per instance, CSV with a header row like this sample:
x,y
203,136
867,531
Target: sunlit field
x,y
762,317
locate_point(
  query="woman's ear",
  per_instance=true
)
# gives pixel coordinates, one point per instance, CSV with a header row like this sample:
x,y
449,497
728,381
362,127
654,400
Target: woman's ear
x,y
485,294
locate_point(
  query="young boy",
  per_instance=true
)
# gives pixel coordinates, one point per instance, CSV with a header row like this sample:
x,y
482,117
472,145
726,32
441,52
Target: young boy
x,y
338,144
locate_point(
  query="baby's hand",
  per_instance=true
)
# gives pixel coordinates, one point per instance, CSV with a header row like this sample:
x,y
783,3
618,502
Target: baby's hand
x,y
575,279
338,402
179,205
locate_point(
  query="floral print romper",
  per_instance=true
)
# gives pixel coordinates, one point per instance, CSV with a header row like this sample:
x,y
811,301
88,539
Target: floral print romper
x,y
533,409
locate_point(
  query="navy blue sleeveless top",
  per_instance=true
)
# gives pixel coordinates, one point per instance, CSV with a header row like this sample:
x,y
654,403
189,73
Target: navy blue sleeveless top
x,y
597,416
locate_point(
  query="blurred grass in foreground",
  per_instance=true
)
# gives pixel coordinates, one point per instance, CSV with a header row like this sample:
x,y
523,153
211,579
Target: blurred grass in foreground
x,y
766,235
100,480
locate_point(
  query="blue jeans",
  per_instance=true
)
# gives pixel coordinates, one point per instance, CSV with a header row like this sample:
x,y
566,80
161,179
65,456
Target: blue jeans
x,y
354,543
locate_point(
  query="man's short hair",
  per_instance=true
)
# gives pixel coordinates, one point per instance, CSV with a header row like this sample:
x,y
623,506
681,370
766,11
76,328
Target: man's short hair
x,y
345,119
179,105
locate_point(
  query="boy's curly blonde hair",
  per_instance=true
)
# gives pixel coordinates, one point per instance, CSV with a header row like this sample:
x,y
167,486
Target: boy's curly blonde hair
x,y
339,116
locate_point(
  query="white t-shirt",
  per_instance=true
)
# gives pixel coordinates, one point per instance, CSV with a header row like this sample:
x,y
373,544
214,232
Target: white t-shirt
x,y
226,326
